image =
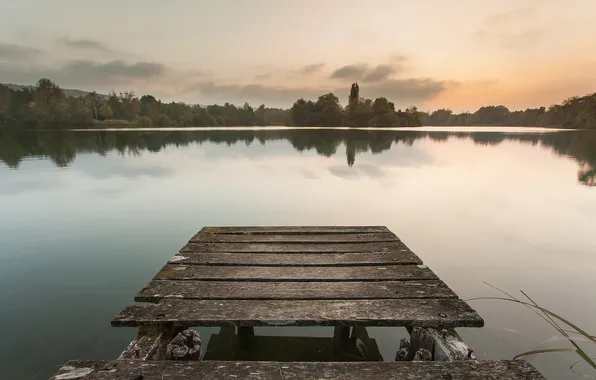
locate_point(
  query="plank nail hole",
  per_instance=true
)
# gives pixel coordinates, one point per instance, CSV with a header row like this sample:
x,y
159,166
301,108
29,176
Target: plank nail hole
x,y
442,315
160,316
109,367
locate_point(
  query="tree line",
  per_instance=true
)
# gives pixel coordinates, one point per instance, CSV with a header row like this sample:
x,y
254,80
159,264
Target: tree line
x,y
576,112
48,105
360,112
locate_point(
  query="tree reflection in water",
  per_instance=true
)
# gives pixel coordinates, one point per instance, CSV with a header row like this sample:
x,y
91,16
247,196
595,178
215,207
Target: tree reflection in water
x,y
62,147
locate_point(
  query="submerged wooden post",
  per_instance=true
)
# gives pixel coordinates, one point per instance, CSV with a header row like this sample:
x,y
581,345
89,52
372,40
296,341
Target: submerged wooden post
x,y
150,344
444,345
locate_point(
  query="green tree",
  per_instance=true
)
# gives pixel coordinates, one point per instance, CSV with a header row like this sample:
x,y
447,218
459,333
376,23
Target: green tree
x,y
260,118
115,105
328,110
5,95
130,105
246,115
50,102
105,112
150,107
78,112
95,101
144,121
163,121
300,111
353,101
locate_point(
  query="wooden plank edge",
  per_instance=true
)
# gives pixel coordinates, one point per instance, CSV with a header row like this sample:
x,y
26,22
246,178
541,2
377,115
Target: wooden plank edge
x,y
292,230
157,290
126,370
211,313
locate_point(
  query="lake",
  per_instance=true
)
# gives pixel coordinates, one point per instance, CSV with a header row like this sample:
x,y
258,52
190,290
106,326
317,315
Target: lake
x,y
88,217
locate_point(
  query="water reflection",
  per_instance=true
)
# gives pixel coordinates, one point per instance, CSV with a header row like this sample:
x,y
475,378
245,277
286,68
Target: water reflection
x,y
63,147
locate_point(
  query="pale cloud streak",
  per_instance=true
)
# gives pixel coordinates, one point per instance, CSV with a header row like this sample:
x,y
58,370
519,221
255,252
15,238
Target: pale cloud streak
x,y
83,73
311,69
401,91
85,44
521,28
351,72
18,53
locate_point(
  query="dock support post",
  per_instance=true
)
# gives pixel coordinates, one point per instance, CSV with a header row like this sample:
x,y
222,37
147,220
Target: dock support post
x,y
246,332
341,333
150,344
444,345
341,338
245,336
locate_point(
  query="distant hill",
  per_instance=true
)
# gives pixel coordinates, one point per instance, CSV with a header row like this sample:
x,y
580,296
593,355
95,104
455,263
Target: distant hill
x,y
69,92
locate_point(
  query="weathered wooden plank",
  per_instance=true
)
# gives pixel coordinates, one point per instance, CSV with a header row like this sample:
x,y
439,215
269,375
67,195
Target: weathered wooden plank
x,y
296,230
494,370
159,289
293,238
387,312
297,259
220,370
255,273
295,247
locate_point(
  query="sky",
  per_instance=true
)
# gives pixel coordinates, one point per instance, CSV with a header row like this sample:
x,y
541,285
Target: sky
x,y
458,54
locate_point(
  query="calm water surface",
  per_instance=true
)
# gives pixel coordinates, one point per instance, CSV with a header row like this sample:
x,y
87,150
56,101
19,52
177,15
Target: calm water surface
x,y
87,218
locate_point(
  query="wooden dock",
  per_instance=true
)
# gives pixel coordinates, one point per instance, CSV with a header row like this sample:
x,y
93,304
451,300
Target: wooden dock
x,y
351,278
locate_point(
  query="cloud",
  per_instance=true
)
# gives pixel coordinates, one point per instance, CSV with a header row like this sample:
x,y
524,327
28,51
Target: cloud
x,y
361,71
513,30
85,44
11,52
262,76
401,91
512,16
310,69
83,72
354,71
255,93
379,73
116,69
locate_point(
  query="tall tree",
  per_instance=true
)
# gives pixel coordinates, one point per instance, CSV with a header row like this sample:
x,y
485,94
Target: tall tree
x,y
130,105
260,116
50,102
94,101
5,95
115,105
353,101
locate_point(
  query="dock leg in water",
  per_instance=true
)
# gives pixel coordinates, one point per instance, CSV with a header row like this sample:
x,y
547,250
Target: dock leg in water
x,y
150,344
443,345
